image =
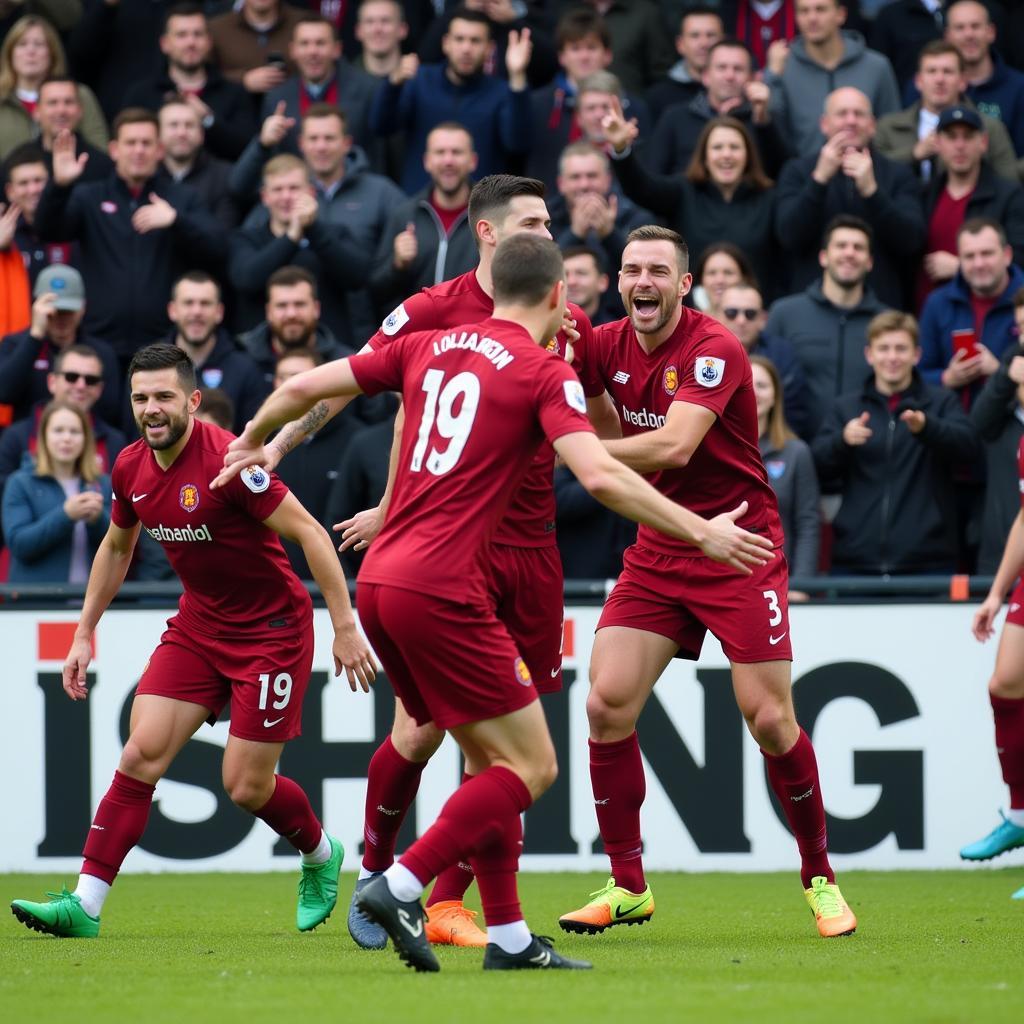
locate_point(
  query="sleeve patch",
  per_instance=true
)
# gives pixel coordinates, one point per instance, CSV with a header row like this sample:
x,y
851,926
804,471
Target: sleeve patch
x,y
708,371
395,321
574,396
256,479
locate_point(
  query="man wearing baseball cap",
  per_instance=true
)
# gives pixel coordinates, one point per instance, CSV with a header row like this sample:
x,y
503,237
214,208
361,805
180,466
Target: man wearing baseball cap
x,y
27,357
966,187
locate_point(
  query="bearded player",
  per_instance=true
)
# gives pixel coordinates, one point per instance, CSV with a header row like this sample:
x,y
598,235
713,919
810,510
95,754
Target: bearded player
x,y
243,634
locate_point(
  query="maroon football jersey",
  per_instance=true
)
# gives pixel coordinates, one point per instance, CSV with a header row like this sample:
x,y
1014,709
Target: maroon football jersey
x,y
530,521
479,400
701,363
236,576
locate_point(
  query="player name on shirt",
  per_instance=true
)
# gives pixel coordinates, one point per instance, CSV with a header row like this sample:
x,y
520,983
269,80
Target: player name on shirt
x,y
487,347
168,533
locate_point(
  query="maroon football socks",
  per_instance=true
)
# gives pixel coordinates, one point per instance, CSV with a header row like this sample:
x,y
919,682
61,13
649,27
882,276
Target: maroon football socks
x,y
453,882
290,815
1009,719
119,823
617,778
391,786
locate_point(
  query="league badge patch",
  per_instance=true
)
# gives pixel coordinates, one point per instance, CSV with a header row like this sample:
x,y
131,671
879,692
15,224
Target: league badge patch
x,y
574,396
708,371
670,382
775,468
188,497
395,320
256,478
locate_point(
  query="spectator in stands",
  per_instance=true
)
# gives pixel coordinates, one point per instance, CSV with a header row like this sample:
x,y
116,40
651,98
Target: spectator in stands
x,y
827,322
56,513
847,176
584,49
25,177
62,14
719,266
28,358
187,162
910,136
31,53
322,76
790,467
742,311
250,44
822,60
891,446
903,30
216,407
381,29
589,208
996,90
699,30
76,378
966,188
137,231
998,417
586,284
725,194
197,314
640,42
428,238
596,97
729,90
60,108
416,99
224,109
978,299
766,28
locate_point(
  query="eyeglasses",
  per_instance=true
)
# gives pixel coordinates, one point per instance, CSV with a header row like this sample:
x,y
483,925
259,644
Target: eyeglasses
x,y
733,313
90,378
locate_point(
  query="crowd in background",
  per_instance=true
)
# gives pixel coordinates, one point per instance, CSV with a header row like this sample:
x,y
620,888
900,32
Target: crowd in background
x,y
261,182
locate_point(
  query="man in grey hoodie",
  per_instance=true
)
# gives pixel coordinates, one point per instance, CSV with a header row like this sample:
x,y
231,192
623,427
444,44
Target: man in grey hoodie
x,y
823,59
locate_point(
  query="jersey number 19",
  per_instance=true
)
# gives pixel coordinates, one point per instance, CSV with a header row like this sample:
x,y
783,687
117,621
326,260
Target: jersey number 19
x,y
439,414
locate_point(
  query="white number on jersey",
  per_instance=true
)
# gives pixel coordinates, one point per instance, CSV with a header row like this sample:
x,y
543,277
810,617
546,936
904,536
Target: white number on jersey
x,y
774,611
439,412
282,690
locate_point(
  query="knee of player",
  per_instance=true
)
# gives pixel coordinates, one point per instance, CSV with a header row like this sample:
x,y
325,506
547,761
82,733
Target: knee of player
x,y
606,714
141,763
250,792
416,742
772,725
540,774
1009,687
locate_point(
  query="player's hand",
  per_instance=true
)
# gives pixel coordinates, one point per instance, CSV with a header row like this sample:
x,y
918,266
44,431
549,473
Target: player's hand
x,y
941,266
361,529
156,214
619,132
961,370
76,664
732,545
242,452
405,247
857,431
981,627
352,654
67,168
914,419
276,126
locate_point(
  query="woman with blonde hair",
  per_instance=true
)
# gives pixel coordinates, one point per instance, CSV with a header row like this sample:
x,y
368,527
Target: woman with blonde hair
x,y
31,53
56,512
791,473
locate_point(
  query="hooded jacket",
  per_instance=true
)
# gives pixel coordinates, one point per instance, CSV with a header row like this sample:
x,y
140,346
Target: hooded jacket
x,y
1002,97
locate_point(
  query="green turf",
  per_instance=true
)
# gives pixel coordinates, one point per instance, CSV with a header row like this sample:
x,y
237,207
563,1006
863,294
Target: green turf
x,y
932,946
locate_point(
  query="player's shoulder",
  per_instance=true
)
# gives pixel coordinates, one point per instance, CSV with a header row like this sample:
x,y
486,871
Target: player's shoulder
x,y
455,287
700,330
613,332
211,439
131,456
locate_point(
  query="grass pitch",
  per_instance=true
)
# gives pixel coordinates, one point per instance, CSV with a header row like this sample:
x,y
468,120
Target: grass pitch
x,y
937,947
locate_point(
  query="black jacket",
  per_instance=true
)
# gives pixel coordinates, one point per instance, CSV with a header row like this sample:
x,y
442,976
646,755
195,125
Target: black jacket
x,y
98,167
208,178
128,276
900,30
591,537
897,510
803,208
234,119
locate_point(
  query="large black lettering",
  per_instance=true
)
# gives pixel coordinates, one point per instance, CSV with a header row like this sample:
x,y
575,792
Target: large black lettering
x,y
900,773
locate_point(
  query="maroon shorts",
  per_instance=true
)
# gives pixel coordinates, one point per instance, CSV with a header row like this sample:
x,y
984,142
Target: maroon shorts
x,y
449,663
682,598
1015,613
264,677
528,593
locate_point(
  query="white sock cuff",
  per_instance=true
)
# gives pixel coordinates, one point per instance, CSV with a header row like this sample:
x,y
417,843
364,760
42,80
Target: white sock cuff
x,y
404,885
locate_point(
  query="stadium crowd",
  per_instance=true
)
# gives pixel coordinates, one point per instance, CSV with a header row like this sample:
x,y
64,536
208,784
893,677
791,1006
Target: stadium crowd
x,y
261,182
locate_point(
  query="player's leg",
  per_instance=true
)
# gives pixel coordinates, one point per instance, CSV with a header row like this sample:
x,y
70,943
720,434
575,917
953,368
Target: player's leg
x,y
159,728
1006,695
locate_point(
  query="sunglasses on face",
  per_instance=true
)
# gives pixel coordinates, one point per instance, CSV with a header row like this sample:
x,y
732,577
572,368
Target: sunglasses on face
x,y
733,313
90,378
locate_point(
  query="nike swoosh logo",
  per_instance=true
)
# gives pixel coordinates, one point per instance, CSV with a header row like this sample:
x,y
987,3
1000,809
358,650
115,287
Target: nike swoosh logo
x,y
555,671
623,911
138,497
773,640
404,920
267,723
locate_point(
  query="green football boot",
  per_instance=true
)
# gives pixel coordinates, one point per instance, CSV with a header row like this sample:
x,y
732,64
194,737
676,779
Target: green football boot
x,y
62,916
318,889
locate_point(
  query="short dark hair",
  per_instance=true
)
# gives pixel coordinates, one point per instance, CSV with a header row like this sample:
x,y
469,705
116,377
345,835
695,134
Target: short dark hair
x,y
465,14
849,221
83,351
312,18
287,277
578,24
185,9
490,196
26,153
975,225
700,11
133,115
197,277
656,233
325,110
217,404
570,252
60,80
731,43
164,357
525,269
939,48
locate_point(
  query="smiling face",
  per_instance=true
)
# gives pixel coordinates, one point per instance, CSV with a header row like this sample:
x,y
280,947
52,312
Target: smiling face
x,y
136,151
848,113
186,42
970,30
984,261
582,174
449,159
59,108
726,156
652,285
961,147
25,186
720,271
30,55
764,390
728,71
181,131
893,356
79,381
161,408
314,50
325,145
64,437
846,259
380,27
196,310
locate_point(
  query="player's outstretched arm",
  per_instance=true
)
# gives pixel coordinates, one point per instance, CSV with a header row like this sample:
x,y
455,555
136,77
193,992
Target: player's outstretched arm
x,y
109,568
1008,571
351,652
668,447
627,493
604,417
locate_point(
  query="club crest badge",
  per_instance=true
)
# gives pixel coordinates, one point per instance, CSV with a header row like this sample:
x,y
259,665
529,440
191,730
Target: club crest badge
x,y
670,382
256,478
522,672
188,497
708,371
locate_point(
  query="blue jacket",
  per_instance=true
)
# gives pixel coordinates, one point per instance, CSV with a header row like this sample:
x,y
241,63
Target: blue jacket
x,y
1002,97
496,117
949,309
38,532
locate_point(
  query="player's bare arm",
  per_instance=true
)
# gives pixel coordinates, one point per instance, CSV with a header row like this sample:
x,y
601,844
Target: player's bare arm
x,y
626,492
668,447
292,521
604,417
1008,571
109,568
